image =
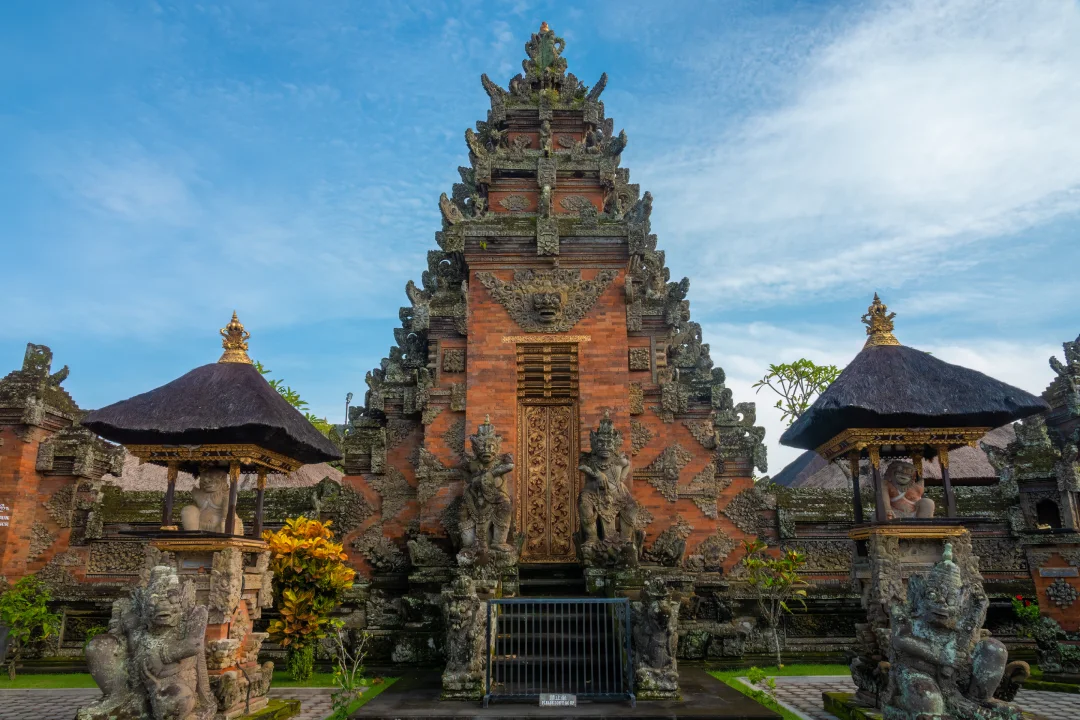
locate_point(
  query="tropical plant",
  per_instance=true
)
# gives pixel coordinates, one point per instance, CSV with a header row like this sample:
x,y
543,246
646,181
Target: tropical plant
x,y
24,609
775,582
1027,612
348,668
310,580
797,384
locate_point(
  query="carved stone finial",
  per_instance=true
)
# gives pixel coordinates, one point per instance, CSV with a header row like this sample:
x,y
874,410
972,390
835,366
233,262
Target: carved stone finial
x,y
879,324
234,339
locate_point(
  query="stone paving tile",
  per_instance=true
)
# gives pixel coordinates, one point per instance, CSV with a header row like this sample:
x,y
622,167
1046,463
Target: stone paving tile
x,y
62,704
802,695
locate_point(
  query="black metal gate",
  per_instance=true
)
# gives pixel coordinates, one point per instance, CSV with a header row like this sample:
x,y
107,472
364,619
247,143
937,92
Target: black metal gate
x,y
577,646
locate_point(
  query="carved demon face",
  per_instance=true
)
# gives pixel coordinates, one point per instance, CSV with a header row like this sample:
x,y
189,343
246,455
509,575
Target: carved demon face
x,y
900,474
547,306
214,481
163,606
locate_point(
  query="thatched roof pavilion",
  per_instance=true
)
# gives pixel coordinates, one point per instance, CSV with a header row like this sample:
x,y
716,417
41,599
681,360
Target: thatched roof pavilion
x,y
224,413
894,400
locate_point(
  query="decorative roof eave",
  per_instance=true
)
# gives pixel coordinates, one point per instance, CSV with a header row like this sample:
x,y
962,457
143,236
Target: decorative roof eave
x,y
903,441
247,455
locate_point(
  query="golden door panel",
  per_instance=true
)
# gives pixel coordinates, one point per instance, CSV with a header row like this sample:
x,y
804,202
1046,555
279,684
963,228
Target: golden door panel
x,y
547,506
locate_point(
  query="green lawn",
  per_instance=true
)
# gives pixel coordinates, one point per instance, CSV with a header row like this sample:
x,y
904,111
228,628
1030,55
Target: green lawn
x,y
729,677
50,680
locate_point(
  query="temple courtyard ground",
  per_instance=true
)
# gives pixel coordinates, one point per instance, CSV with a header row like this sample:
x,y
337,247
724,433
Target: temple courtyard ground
x,y
798,695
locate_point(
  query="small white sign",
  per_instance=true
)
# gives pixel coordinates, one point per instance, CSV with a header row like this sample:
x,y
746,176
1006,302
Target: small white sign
x,y
558,700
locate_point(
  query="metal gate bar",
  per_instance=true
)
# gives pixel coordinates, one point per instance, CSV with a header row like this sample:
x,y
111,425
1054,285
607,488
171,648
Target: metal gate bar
x,y
577,646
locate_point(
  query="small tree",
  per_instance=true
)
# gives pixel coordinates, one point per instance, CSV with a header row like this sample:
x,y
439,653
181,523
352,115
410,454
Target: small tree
x,y
797,384
310,580
776,582
348,669
24,610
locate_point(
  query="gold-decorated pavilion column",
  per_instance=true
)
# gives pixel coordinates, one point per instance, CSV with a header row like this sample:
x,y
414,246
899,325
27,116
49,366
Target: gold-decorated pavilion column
x,y
260,491
881,498
946,481
170,495
234,489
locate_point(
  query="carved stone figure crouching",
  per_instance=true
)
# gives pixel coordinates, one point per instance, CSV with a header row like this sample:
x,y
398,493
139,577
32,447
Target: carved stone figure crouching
x,y
942,664
656,638
211,504
906,498
463,678
156,646
486,508
605,506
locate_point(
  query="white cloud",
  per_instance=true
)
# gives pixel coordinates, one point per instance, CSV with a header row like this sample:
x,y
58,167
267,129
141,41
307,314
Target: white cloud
x,y
924,128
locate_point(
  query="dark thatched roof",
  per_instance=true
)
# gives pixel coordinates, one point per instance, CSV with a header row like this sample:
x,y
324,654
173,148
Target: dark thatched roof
x,y
226,402
894,386
967,466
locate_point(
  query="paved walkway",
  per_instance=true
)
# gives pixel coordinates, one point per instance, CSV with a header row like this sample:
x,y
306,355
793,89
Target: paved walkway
x,y
802,696
62,704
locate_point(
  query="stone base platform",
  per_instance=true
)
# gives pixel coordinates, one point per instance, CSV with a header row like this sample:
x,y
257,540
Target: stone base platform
x,y
843,706
703,697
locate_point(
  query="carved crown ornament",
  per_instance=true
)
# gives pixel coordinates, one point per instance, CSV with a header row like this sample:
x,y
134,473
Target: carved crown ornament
x,y
879,324
547,301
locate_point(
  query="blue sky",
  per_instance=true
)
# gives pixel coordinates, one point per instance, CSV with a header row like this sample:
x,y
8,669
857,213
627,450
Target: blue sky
x,y
165,163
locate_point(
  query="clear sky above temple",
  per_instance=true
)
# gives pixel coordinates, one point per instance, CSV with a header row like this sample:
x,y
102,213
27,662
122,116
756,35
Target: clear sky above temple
x,y
168,162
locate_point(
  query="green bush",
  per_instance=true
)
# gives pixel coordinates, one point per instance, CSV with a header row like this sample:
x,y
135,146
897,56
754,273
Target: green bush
x,y
24,609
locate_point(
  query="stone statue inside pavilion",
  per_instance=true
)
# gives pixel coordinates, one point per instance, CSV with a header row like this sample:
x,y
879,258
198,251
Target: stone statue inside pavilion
x,y
486,508
211,504
942,663
152,661
906,492
606,508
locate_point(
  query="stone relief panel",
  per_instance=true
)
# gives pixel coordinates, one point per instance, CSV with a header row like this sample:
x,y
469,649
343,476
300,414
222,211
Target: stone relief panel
x,y
453,360
547,300
640,359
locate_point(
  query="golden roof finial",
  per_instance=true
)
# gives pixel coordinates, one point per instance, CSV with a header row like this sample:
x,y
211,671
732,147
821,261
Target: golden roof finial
x,y
544,26
879,324
234,339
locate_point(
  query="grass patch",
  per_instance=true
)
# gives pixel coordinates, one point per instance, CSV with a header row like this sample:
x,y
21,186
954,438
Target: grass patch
x,y
47,681
317,680
730,678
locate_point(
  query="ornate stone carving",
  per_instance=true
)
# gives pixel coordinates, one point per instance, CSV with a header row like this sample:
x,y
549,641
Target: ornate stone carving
x,y
211,504
382,554
40,540
941,664
158,637
463,678
394,490
703,432
639,436
454,437
736,434
453,360
669,546
1061,593
656,638
710,554
547,301
115,557
705,488
906,492
226,584
486,508
663,472
640,359
576,203
999,555
515,203
432,475
606,508
547,233
423,553
348,508
745,509
457,397
833,556
637,399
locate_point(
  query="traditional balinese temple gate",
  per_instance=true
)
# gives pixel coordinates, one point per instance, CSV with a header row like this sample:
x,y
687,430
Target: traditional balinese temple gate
x,y
549,422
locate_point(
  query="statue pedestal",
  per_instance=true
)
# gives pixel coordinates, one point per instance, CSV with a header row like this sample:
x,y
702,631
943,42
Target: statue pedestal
x,y
893,552
233,579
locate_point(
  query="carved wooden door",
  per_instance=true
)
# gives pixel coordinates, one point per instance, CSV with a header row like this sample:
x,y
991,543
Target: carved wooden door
x,y
547,495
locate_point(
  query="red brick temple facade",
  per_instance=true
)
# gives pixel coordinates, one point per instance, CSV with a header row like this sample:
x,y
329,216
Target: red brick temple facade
x,y
546,307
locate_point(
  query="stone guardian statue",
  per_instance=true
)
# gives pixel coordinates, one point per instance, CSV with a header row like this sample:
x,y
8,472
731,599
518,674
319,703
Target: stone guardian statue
x,y
486,508
211,504
906,499
606,508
